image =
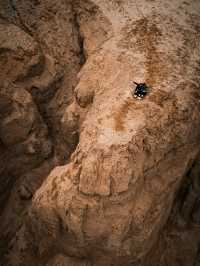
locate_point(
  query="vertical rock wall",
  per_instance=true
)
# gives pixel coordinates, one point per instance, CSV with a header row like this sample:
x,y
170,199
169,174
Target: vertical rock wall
x,y
124,189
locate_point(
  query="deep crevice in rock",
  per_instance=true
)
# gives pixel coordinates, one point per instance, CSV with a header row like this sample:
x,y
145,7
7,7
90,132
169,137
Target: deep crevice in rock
x,y
41,97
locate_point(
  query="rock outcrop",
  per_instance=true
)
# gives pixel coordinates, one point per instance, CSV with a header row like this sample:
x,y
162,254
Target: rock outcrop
x,y
124,189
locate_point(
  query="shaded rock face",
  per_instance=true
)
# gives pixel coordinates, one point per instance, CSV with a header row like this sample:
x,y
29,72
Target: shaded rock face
x,y
89,175
24,137
37,79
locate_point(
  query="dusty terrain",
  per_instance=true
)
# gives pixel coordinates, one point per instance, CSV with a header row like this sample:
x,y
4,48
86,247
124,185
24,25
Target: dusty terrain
x,y
89,175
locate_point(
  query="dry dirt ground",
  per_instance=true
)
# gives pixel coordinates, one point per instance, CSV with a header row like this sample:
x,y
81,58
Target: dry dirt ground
x,y
89,175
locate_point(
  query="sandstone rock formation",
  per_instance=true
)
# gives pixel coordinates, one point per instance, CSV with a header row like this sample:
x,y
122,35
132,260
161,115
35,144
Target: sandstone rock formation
x,y
124,179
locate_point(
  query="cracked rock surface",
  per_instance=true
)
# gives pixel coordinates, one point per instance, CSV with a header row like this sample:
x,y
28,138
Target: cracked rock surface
x,y
89,175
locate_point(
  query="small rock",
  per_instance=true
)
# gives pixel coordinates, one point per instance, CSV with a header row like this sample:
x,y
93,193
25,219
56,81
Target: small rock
x,y
25,193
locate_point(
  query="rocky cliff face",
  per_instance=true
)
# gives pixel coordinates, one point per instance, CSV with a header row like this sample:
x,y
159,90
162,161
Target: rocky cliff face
x,y
90,175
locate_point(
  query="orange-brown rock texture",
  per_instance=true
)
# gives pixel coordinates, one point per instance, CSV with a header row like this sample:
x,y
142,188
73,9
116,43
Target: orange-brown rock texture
x,y
90,175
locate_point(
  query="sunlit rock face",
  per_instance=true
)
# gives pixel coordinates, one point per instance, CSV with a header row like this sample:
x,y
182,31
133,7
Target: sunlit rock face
x,y
129,179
